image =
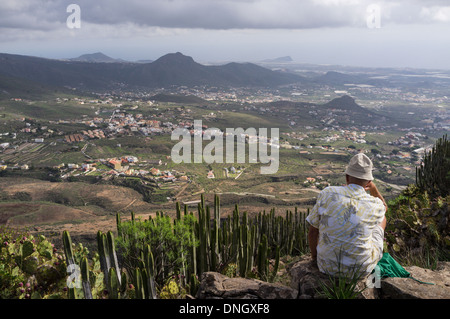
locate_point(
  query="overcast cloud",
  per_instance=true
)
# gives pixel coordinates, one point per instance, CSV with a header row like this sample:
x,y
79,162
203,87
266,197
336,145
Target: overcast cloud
x,y
209,28
220,14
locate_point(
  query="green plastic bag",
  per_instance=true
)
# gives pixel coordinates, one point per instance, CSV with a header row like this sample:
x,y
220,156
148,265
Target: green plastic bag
x,y
389,267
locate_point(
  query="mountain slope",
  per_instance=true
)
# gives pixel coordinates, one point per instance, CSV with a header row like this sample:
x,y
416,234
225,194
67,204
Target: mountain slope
x,y
13,87
59,73
348,110
171,69
254,75
345,102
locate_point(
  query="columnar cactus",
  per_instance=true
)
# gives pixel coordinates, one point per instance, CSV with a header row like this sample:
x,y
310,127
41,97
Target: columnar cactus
x,y
149,267
193,285
119,224
68,251
113,284
73,293
276,265
112,254
263,261
178,210
138,284
104,255
109,262
85,278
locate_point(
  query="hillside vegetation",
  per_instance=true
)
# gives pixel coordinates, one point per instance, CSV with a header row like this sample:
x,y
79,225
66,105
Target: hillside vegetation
x,y
418,231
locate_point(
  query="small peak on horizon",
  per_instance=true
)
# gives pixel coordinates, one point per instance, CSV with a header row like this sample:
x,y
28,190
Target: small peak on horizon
x,y
94,54
178,54
94,57
283,59
175,57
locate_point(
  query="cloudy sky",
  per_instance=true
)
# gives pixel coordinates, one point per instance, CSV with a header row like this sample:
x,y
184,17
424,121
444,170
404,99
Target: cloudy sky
x,y
396,33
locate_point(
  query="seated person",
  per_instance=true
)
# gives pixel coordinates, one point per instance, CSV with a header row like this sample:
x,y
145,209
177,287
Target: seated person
x,y
347,224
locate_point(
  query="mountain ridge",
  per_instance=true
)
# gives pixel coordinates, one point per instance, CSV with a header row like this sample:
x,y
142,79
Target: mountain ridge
x,y
173,69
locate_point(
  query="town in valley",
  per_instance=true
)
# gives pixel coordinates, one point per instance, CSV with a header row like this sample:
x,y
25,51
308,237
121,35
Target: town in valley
x,y
122,139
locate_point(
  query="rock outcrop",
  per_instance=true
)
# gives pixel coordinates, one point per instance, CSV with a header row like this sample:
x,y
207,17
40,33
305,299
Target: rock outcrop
x,y
306,277
217,286
306,282
408,288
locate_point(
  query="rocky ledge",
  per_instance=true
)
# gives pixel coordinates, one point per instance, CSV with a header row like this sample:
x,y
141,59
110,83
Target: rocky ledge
x,y
306,282
217,286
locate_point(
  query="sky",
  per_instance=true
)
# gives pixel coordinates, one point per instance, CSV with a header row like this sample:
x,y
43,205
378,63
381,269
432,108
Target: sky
x,y
395,33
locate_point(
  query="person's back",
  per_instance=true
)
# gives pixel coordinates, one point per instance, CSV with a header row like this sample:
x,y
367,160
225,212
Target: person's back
x,y
346,218
346,236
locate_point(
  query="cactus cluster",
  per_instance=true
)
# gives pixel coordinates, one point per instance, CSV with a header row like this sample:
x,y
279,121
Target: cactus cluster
x,y
433,175
144,276
247,242
154,250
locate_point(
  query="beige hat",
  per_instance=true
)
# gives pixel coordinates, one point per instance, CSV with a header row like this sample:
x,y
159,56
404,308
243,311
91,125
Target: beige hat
x,y
360,166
